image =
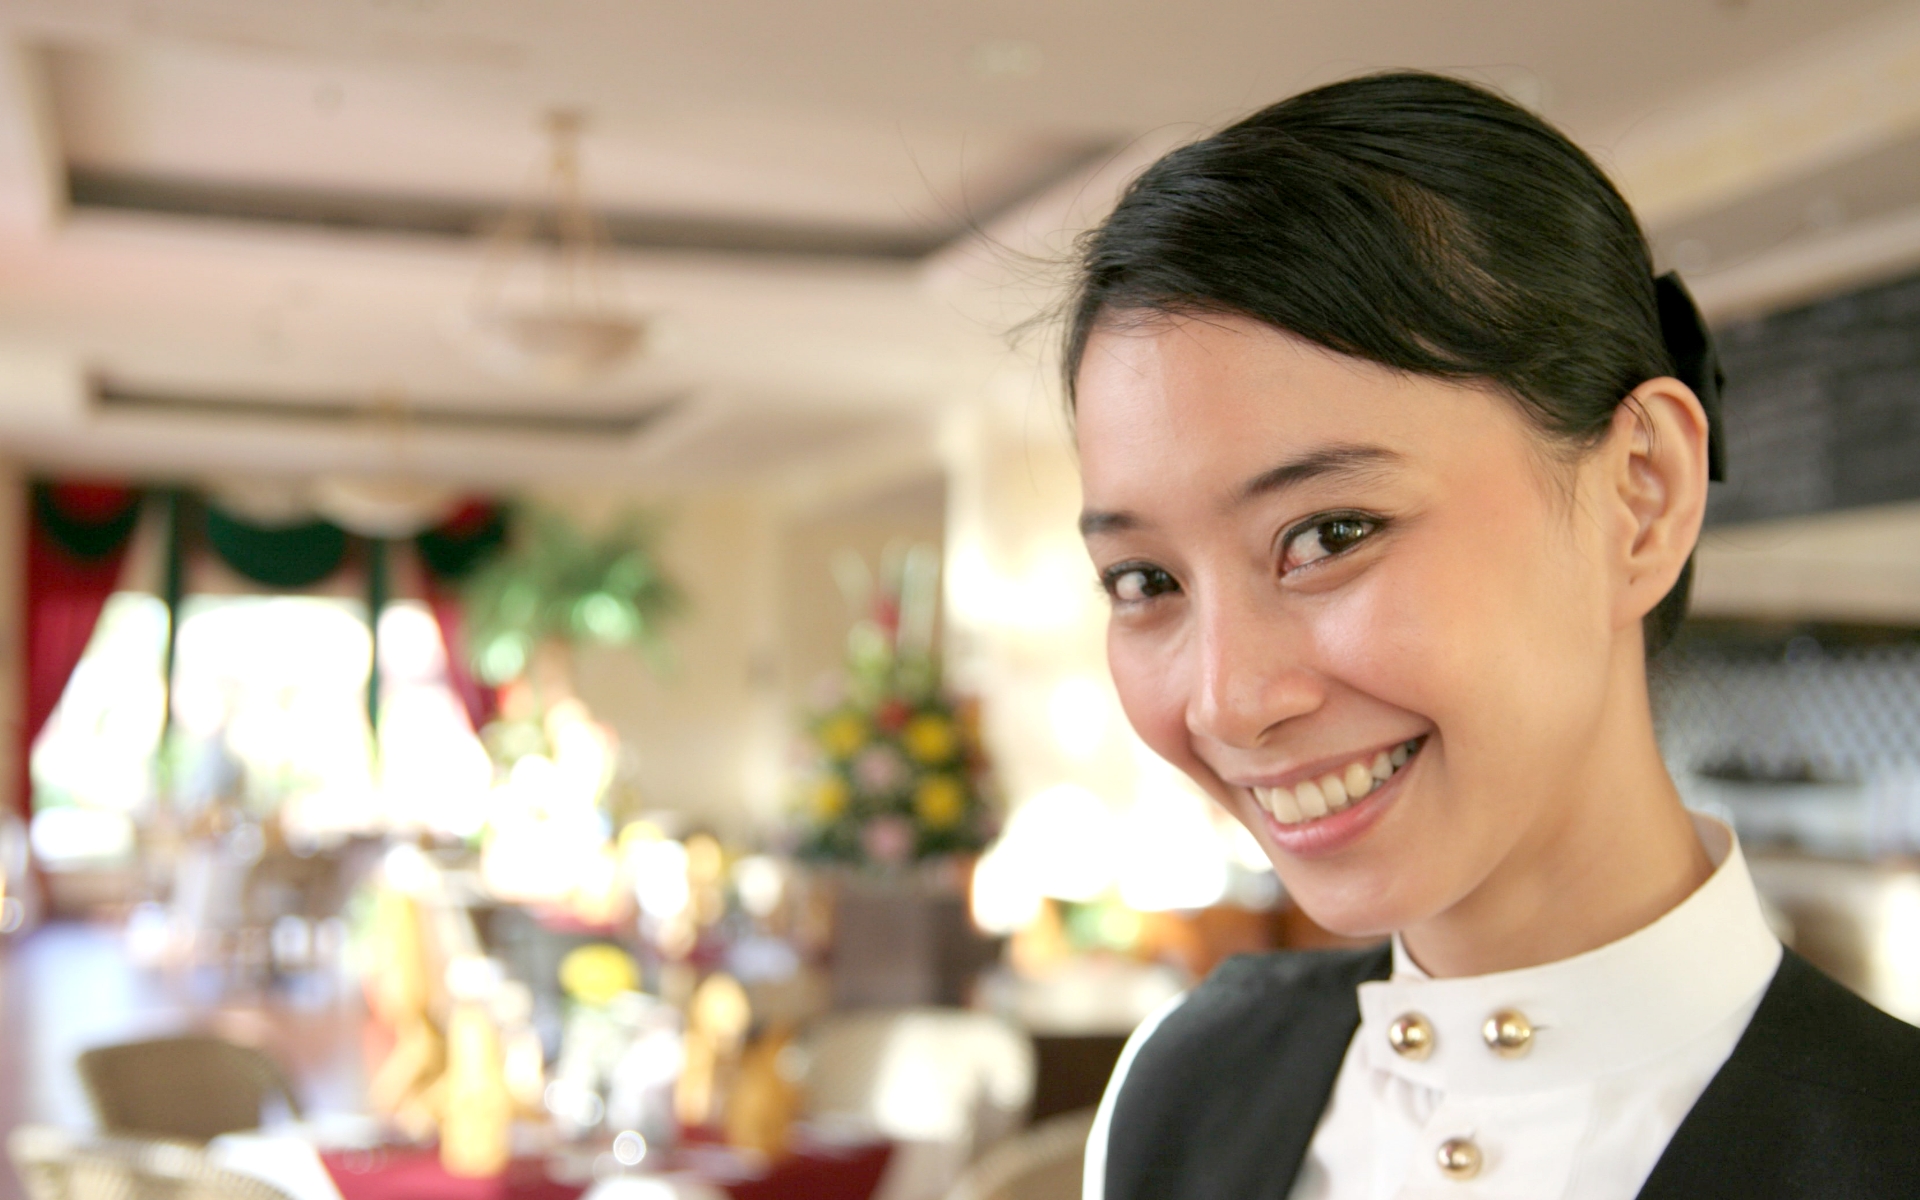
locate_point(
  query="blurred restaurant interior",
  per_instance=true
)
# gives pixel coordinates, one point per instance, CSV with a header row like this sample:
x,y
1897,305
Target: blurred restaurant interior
x,y
547,647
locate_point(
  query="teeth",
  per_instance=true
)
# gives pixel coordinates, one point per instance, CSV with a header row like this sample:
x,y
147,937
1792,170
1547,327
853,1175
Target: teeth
x,y
1313,802
1334,792
1280,803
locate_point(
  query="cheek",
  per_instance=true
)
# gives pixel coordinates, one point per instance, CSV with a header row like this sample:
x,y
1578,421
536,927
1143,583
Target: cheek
x,y
1153,684
1407,632
1494,635
1477,626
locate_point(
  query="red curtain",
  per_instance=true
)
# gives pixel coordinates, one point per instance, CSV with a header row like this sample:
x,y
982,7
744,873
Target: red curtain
x,y
66,589
481,702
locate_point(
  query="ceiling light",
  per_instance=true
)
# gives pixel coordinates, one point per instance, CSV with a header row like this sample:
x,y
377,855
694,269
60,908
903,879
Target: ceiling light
x,y
375,506
545,308
559,347
381,507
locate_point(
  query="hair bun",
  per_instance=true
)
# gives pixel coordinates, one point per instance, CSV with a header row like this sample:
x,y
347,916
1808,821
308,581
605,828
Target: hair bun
x,y
1694,362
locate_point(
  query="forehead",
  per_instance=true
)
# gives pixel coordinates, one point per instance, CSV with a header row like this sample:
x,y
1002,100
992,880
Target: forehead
x,y
1209,401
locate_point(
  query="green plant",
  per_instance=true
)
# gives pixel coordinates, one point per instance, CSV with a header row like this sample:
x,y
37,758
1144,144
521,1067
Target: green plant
x,y
556,582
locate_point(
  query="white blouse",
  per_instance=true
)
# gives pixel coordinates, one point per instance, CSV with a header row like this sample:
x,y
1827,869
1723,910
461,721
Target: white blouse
x,y
1612,1049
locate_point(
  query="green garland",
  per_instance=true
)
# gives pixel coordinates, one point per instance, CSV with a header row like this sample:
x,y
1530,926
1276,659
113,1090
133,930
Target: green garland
x,y
292,556
456,555
84,540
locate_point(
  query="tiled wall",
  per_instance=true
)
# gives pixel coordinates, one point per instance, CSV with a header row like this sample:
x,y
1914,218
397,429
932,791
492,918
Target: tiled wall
x,y
1808,737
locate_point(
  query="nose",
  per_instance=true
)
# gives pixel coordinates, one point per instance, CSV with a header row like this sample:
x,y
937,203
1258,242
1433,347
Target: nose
x,y
1254,672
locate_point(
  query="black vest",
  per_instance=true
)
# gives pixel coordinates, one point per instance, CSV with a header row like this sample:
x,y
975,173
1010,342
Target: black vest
x,y
1820,1099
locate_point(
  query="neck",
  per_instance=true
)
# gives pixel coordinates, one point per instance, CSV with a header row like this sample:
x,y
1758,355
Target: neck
x,y
1616,854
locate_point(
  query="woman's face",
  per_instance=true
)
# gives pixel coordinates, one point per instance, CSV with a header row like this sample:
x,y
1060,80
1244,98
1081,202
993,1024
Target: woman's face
x,y
1365,610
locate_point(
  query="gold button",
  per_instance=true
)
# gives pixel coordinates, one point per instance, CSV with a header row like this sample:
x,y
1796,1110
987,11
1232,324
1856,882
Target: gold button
x,y
1411,1036
1459,1159
1508,1033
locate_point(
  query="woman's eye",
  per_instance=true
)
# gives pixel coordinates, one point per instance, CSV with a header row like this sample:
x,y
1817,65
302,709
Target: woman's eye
x,y
1132,584
1323,538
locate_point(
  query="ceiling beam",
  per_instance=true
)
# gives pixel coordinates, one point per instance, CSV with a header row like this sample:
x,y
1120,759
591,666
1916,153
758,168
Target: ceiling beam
x,y
41,390
93,188
1828,101
395,420
33,197
1812,268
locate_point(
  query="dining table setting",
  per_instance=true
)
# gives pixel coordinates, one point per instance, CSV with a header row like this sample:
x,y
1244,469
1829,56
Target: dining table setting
x,y
830,1165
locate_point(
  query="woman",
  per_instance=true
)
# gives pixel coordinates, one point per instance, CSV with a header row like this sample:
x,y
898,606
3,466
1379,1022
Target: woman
x,y
1394,457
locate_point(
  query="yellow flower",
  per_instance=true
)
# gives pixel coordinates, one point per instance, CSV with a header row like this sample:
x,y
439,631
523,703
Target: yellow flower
x,y
596,973
842,735
929,738
829,798
940,801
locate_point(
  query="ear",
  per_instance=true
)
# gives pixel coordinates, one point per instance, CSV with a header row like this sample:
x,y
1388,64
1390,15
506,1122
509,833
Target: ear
x,y
1655,463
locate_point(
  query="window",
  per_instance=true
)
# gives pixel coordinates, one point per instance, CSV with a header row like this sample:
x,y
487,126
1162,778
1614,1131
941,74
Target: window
x,y
269,706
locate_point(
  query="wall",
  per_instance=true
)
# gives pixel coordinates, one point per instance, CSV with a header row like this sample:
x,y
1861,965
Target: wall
x,y
703,731
713,735
814,614
1858,565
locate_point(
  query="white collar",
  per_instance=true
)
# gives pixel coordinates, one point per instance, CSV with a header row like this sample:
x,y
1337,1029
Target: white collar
x,y
1609,1009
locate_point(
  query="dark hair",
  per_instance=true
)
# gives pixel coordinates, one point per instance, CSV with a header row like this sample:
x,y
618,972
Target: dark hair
x,y
1412,220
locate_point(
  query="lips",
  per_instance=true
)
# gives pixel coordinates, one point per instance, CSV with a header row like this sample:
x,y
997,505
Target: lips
x,y
1334,791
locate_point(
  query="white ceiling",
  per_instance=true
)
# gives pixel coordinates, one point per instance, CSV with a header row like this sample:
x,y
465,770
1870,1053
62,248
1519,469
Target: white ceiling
x,y
387,129
801,128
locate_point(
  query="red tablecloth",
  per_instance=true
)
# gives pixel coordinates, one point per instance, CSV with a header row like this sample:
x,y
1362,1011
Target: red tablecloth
x,y
410,1174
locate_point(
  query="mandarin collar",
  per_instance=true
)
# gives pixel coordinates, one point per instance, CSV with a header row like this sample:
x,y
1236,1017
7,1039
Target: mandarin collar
x,y
1609,1009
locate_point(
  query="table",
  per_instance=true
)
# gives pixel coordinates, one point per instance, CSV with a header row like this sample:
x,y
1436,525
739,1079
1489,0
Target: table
x,y
852,1173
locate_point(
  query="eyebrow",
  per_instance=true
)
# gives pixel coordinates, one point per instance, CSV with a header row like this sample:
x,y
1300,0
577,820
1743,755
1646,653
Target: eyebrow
x,y
1097,521
1347,460
1329,461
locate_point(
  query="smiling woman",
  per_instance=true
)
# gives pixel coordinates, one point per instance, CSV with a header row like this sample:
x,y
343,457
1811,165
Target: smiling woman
x,y
1394,454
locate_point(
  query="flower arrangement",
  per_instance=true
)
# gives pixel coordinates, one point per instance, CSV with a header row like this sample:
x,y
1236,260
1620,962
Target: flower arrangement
x,y
897,771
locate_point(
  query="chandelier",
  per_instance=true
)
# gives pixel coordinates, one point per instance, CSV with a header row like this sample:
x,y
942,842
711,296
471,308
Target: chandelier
x,y
382,503
544,307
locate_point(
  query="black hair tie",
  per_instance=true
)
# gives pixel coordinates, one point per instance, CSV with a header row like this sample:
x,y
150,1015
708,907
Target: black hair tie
x,y
1694,362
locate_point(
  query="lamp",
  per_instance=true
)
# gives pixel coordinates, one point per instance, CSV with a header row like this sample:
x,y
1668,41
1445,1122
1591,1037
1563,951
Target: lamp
x,y
381,506
547,312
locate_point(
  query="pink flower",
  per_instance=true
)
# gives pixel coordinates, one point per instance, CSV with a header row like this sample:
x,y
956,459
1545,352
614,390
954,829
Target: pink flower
x,y
879,771
888,840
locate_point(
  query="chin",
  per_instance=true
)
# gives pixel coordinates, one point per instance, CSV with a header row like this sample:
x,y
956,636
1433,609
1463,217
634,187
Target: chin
x,y
1349,908
1361,923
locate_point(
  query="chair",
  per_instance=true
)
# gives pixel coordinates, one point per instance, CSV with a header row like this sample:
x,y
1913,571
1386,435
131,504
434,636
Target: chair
x,y
55,1166
944,1084
1044,1163
193,1087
